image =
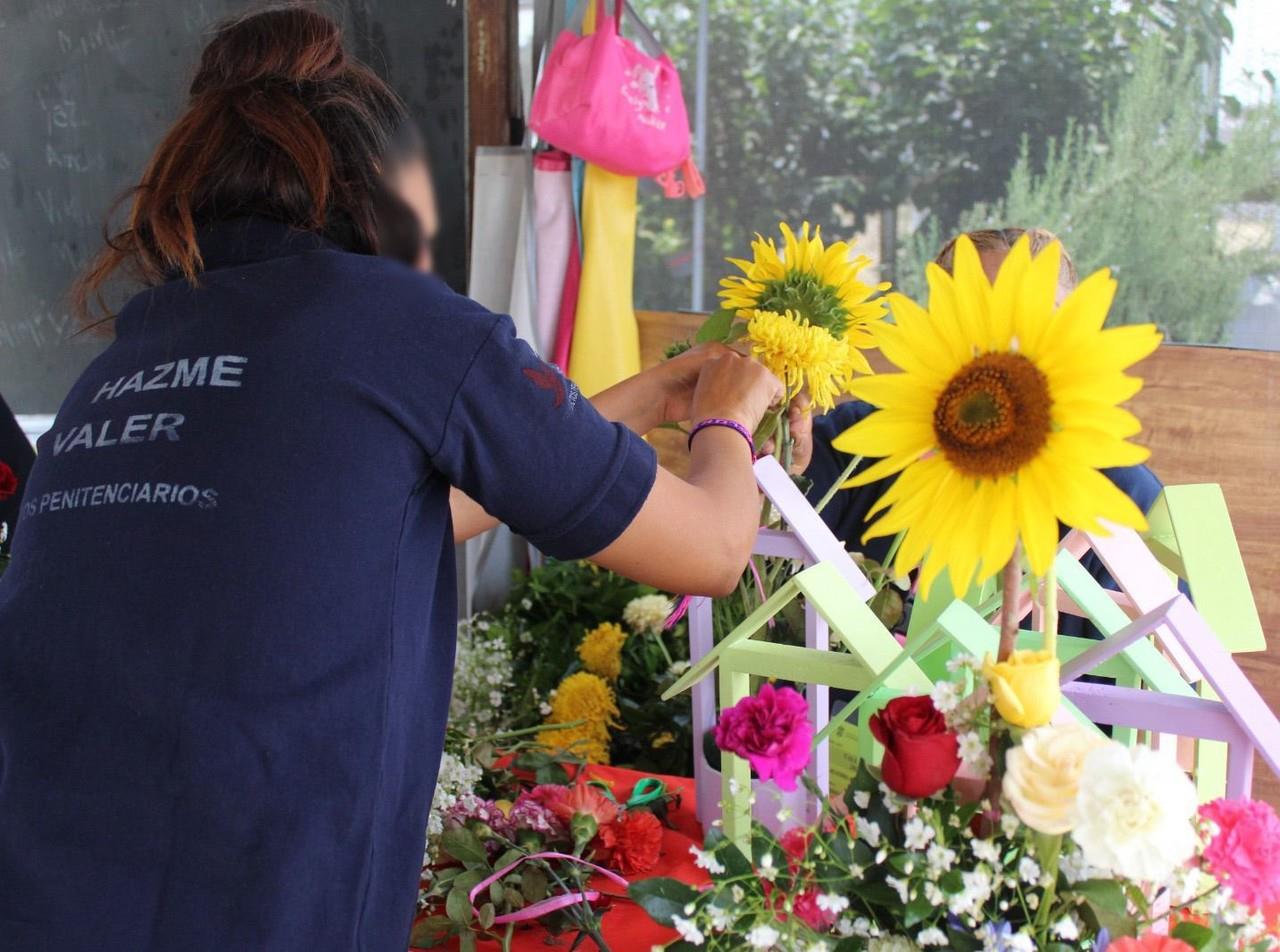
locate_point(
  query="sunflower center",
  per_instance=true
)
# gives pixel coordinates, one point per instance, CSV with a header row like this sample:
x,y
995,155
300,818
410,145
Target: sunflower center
x,y
815,301
993,416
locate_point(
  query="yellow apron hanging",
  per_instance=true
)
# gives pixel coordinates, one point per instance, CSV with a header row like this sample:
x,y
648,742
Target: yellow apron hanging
x,y
606,339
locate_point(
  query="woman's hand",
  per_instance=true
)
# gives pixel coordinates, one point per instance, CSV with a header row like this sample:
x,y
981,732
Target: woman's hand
x,y
735,387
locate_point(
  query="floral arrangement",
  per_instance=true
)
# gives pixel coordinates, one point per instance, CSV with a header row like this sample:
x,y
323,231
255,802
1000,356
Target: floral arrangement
x,y
986,826
578,656
1095,846
521,827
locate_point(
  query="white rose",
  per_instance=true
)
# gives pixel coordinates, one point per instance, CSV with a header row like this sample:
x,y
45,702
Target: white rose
x,y
1134,813
1042,775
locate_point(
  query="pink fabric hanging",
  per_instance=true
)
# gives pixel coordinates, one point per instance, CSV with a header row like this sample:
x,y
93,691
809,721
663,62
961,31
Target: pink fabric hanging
x,y
568,304
555,232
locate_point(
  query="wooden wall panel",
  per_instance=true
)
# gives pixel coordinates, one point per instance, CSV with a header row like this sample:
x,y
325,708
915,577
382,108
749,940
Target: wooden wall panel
x,y
1210,415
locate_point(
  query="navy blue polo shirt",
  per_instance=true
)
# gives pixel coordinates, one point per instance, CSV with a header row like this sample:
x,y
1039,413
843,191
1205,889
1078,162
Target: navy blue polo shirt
x,y
227,635
847,512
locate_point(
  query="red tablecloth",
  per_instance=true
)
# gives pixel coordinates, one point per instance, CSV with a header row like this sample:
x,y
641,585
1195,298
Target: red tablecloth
x,y
625,926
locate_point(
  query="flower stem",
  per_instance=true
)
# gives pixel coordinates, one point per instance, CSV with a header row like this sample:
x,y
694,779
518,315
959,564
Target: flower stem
x,y
1050,603
1011,582
1049,851
835,487
662,645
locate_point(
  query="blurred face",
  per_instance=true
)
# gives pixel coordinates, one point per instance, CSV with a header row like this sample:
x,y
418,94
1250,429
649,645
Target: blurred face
x,y
412,182
991,261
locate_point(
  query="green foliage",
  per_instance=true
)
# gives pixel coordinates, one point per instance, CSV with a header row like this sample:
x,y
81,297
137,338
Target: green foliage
x,y
1150,196
830,112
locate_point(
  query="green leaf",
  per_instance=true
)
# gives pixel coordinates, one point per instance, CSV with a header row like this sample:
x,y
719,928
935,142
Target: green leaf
x,y
727,852
951,882
918,910
1107,900
487,915
1194,934
533,883
430,931
662,898
458,906
715,328
464,846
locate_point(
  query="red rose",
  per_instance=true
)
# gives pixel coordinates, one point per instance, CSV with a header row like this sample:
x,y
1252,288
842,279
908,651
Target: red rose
x,y
920,752
8,481
633,842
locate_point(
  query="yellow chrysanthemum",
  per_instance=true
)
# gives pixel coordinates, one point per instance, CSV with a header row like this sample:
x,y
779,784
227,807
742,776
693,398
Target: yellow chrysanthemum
x,y
585,697
804,355
601,650
1006,409
809,315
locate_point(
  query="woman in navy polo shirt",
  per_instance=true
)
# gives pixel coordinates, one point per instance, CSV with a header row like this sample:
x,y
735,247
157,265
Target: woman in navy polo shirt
x,y
226,637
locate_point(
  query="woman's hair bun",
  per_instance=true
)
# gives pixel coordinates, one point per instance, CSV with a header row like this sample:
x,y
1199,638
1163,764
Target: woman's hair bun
x,y
288,45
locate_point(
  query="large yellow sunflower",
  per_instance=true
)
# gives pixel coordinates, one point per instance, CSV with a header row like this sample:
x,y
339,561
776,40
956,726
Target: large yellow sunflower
x,y
809,316
1004,412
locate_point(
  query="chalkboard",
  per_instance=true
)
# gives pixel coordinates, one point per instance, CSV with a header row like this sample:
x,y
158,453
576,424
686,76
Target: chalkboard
x,y
89,86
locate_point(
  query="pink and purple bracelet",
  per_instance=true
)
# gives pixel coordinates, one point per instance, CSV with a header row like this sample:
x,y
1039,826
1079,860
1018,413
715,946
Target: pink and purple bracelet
x,y
729,424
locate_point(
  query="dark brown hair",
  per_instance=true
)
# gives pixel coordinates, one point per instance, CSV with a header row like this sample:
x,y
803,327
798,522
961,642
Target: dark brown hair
x,y
280,122
1003,239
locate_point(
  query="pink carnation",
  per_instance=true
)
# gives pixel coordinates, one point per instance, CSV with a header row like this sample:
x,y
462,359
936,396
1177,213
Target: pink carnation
x,y
1244,854
772,731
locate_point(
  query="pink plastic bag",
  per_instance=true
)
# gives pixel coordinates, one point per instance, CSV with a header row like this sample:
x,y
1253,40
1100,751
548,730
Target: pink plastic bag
x,y
604,100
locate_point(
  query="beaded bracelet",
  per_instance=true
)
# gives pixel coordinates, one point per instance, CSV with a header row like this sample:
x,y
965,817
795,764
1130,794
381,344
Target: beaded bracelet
x,y
729,424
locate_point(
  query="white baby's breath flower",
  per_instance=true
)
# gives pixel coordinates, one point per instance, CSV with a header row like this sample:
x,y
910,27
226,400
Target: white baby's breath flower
x,y
868,830
987,851
974,753
962,662
526,604
833,903
705,859
861,799
1134,812
1067,928
1028,870
931,937
916,834
722,918
901,886
762,937
766,869
688,931
1009,823
939,858
945,696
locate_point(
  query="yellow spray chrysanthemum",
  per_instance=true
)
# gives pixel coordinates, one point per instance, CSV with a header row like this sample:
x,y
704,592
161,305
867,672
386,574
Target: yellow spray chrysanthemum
x,y
1005,410
585,697
809,315
802,355
601,650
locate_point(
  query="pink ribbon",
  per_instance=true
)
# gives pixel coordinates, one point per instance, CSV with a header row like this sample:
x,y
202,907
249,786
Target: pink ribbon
x,y
544,906
682,606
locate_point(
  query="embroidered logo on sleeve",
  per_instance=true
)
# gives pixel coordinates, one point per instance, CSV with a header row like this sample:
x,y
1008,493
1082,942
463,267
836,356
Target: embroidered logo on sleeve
x,y
546,378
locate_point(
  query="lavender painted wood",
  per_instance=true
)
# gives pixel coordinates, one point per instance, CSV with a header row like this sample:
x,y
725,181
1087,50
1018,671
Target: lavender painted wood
x,y
809,529
1116,643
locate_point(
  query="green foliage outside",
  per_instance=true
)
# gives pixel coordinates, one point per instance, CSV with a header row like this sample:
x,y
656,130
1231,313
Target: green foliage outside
x,y
1151,197
832,112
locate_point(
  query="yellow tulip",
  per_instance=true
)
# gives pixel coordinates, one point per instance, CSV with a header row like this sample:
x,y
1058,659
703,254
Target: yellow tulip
x,y
1025,687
